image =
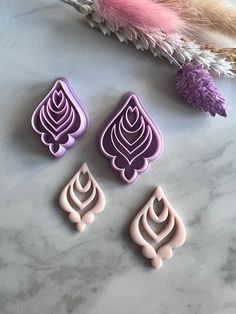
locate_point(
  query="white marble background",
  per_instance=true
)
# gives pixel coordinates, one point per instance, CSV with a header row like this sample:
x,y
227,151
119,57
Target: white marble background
x,y
45,266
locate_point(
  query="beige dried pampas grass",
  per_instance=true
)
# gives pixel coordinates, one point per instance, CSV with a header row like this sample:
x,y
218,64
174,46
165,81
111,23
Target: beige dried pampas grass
x,y
212,15
228,53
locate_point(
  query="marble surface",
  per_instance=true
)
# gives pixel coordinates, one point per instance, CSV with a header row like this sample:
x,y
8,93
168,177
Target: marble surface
x,y
47,267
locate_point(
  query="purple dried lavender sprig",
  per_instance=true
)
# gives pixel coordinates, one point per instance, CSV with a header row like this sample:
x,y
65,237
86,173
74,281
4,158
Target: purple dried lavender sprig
x,y
197,87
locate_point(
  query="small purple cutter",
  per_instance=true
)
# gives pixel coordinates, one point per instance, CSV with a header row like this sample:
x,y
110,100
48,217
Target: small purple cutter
x,y
130,140
60,118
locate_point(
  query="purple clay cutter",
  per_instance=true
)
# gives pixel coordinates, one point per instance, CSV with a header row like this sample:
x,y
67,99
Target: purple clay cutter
x,y
60,118
130,140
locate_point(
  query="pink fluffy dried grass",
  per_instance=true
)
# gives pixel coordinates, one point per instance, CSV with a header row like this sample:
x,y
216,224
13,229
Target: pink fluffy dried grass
x,y
144,15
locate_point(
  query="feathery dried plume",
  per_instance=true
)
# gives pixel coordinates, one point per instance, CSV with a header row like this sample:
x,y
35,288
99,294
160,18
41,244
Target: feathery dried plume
x,y
174,47
214,15
144,15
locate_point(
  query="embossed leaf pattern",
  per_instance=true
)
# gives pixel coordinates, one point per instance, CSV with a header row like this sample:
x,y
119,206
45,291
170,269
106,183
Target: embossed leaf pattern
x,y
60,118
92,202
171,235
130,140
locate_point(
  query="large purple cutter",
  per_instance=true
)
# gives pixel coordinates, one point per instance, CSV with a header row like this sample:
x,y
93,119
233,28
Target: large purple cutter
x,y
130,139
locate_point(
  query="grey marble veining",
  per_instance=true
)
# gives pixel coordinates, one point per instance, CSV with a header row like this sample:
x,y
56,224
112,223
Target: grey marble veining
x,y
48,268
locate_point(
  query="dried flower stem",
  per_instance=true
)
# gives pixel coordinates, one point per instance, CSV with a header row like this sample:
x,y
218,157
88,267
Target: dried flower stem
x,y
228,53
174,47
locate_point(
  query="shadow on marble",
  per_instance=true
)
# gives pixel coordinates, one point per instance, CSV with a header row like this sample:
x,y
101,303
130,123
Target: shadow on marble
x,y
98,164
63,216
165,86
24,137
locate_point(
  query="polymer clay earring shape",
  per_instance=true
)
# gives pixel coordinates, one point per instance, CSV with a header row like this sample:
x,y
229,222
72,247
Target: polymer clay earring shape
x,y
93,198
157,245
130,140
60,119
